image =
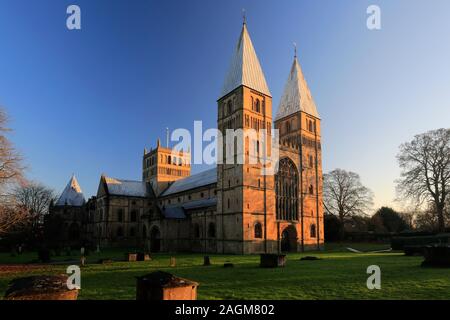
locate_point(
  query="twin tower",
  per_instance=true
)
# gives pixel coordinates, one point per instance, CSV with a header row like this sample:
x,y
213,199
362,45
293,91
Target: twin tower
x,y
286,206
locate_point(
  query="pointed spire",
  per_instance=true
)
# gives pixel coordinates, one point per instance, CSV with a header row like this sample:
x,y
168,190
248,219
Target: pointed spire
x,y
296,96
72,194
245,68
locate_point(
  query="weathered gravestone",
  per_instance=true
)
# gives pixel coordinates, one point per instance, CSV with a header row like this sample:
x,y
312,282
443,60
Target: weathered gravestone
x,y
48,287
131,257
161,285
269,260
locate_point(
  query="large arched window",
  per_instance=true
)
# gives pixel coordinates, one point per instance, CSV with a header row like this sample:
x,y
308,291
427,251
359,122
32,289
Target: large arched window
x,y
120,215
133,216
286,188
212,230
120,232
144,231
258,230
313,231
196,231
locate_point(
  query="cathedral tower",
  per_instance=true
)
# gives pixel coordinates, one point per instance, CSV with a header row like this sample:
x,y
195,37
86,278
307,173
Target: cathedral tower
x,y
298,123
245,197
161,166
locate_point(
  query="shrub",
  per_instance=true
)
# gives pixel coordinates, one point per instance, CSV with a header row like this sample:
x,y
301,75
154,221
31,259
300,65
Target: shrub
x,y
399,243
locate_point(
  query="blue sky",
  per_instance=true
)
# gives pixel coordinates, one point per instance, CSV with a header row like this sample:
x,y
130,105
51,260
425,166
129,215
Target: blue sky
x,y
89,101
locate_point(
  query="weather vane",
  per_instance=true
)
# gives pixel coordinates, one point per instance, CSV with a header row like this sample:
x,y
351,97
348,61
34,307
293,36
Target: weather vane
x,y
244,18
295,50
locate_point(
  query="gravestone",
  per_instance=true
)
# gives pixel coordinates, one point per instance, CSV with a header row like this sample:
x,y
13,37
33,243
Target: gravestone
x,y
206,261
161,285
131,257
309,258
269,260
173,262
40,288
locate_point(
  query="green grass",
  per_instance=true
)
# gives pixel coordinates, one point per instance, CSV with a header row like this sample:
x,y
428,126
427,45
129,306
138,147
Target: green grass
x,y
340,275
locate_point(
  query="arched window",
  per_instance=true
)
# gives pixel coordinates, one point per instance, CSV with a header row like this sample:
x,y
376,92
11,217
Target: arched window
x,y
120,232
196,231
132,232
311,189
144,231
120,215
288,126
313,231
311,161
286,190
212,230
133,216
229,107
258,106
258,230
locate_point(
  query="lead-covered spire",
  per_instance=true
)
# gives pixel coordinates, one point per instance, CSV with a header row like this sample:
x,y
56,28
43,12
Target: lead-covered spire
x,y
72,194
296,96
245,68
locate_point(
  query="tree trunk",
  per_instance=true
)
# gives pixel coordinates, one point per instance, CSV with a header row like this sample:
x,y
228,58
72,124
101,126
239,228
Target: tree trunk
x,y
441,221
342,229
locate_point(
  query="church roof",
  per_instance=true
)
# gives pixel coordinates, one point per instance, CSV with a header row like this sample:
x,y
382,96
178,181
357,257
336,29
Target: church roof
x,y
72,194
127,188
296,96
245,68
195,181
179,211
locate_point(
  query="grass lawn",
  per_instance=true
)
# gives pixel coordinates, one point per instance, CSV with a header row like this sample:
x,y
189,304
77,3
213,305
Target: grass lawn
x,y
340,275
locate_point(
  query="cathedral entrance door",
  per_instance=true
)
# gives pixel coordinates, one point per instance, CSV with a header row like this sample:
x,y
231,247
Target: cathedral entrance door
x,y
289,239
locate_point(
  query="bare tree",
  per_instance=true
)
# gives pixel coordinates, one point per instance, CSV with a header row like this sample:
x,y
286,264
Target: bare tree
x,y
11,172
11,168
35,198
425,176
344,195
11,216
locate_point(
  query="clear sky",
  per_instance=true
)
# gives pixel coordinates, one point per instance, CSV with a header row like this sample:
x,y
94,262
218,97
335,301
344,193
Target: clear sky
x,y
88,102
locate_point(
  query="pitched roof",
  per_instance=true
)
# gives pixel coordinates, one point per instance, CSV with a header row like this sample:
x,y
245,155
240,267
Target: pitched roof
x,y
245,68
296,96
72,194
127,188
195,181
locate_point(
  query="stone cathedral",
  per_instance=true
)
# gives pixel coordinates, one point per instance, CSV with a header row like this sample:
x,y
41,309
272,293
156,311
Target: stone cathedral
x,y
232,208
